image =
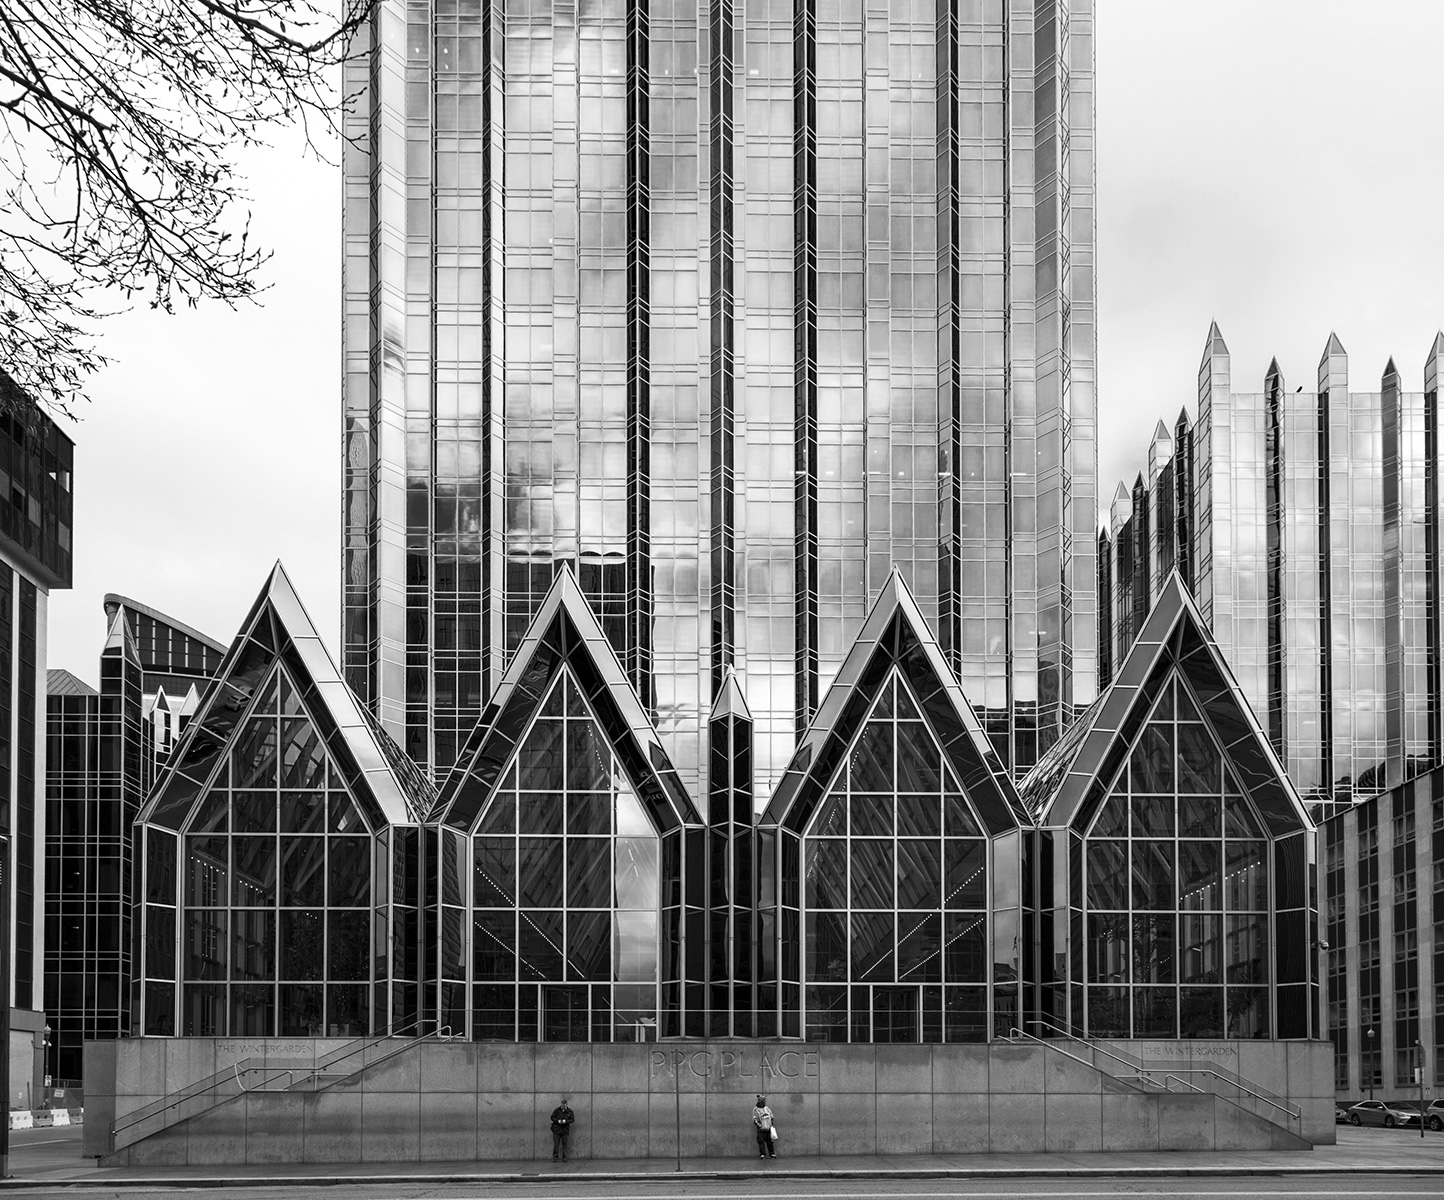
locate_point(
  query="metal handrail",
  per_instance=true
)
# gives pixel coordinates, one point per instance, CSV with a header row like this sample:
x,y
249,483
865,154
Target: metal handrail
x,y
1015,1032
1247,1091
1192,1087
156,1107
1143,1071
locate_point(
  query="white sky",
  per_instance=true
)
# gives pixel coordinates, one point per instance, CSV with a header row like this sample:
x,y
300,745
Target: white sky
x,y
1276,165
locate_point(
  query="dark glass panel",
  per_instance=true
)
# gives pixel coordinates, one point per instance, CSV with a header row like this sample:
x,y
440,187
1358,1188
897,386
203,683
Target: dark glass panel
x,y
493,1013
500,815
1290,875
906,709
1187,709
635,1017
831,818
1248,1012
826,873
589,945
958,818
1291,950
1246,876
254,881
253,944
1163,710
540,758
965,1014
540,812
159,941
495,876
1239,818
861,1016
636,945
1200,945
884,707
205,943
965,948
869,767
639,884
919,816
919,760
1247,950
872,874
203,1010
1108,1012
1200,817
349,872
160,866
589,761
303,871
303,945
1109,958
213,814
826,1014
1107,874
1151,765
919,948
919,873
344,816
1154,953
873,942
1200,768
1112,818
348,1011
348,953
253,1010
965,874
589,873
1152,816
303,812
589,814
493,945
872,816
539,945
539,868
1200,876
253,757
206,871
1293,1012
895,1014
303,757
302,1010
827,946
1155,1012
1154,883
254,812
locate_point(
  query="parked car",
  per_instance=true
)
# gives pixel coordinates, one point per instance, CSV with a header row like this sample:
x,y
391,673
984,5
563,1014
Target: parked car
x,y
1434,1115
1381,1112
1341,1114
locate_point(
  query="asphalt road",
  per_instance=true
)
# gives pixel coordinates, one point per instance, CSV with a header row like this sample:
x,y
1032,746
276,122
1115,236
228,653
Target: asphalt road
x,y
1267,1188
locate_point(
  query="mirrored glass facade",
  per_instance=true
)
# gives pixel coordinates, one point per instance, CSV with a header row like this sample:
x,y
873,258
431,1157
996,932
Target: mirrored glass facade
x,y
730,308
1306,522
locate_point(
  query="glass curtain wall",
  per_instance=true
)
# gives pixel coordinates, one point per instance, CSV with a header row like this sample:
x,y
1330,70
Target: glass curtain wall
x,y
569,910
895,871
1176,899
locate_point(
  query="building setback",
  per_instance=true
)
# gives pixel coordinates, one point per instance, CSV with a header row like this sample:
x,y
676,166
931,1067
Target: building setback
x,y
36,504
731,309
103,751
1306,522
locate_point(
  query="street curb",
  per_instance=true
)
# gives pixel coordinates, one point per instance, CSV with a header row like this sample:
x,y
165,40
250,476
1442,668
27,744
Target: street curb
x,y
545,1177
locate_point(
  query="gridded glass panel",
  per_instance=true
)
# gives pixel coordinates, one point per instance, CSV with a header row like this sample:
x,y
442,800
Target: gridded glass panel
x,y
1181,948
567,871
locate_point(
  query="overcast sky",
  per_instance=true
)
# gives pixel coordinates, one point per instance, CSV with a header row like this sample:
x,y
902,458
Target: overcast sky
x,y
1275,165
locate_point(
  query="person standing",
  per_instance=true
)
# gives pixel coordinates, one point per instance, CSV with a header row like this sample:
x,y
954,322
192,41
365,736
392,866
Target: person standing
x,y
562,1118
762,1125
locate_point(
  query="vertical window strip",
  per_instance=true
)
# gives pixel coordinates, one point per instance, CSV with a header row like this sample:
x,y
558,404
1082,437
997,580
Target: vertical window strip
x,y
638,639
804,94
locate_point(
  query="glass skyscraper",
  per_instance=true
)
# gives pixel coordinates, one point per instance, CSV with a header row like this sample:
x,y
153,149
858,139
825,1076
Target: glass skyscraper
x,y
732,307
1306,521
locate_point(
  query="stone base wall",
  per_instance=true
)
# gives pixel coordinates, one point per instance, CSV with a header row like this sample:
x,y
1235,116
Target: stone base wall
x,y
463,1102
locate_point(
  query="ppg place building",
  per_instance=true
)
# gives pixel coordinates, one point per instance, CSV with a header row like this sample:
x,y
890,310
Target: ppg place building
x,y
719,634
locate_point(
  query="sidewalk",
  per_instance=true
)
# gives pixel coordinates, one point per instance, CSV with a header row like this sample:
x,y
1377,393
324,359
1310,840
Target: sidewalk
x,y
1359,1152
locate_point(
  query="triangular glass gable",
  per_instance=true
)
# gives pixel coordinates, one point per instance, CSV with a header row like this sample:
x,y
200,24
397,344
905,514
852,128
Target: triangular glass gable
x,y
276,715
565,676
895,672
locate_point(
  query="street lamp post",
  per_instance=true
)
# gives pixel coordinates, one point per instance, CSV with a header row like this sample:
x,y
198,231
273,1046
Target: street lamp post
x,y
1369,1060
1418,1045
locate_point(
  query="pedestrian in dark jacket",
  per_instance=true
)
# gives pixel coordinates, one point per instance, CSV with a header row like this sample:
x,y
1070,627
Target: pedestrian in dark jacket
x,y
762,1124
562,1118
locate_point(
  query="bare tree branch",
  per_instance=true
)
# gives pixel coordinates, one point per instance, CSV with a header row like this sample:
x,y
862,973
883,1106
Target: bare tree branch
x,y
119,120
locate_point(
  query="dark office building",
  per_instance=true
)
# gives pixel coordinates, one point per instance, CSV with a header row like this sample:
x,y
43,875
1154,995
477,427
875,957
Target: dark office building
x,y
1148,879
1306,521
36,462
103,748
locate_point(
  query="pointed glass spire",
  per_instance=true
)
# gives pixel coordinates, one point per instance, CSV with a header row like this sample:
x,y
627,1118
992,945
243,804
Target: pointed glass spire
x,y
1434,364
1214,345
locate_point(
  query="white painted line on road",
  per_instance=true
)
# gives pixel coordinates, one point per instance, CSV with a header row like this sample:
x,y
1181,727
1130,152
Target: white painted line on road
x,y
971,1186
47,1142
